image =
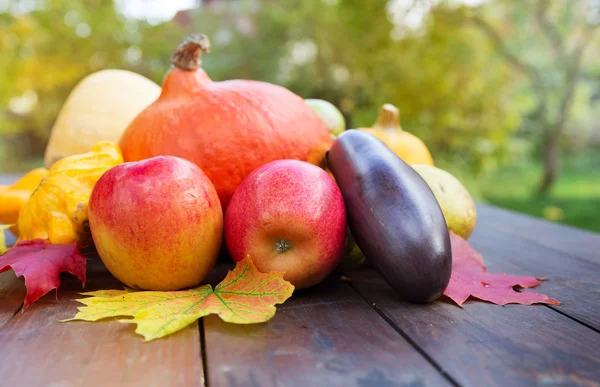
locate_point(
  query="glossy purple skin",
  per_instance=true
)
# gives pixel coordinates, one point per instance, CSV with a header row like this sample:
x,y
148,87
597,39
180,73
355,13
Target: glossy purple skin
x,y
393,215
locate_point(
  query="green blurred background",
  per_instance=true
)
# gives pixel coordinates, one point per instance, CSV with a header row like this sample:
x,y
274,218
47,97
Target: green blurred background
x,y
504,93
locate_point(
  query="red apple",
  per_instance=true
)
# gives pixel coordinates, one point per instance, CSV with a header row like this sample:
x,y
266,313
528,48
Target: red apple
x,y
288,216
157,223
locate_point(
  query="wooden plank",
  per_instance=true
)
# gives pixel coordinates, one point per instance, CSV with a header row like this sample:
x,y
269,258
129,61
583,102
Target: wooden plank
x,y
573,281
570,240
12,294
326,336
38,350
489,345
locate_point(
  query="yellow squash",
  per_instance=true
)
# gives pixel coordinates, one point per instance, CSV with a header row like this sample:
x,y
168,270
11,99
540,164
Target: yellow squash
x,y
13,197
98,109
57,209
406,145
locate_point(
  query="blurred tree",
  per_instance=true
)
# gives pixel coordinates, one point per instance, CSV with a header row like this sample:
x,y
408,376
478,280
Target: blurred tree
x,y
46,50
454,92
545,41
451,91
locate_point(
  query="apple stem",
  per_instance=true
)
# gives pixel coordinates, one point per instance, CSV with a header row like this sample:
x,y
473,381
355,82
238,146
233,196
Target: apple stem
x,y
282,245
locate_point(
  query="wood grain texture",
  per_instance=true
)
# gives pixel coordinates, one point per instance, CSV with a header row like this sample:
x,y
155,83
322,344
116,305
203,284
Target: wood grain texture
x,y
489,345
574,281
566,239
12,294
324,336
38,350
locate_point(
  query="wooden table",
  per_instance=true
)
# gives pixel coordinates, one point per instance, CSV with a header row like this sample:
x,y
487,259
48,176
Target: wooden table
x,y
338,333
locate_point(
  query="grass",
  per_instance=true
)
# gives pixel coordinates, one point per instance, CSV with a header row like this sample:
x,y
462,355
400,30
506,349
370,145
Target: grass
x,y
573,200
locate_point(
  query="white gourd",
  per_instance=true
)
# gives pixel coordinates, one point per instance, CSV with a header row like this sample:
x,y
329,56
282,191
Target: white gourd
x,y
98,109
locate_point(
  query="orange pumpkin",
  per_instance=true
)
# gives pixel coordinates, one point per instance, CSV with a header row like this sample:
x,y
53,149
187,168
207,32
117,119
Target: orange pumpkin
x,y
227,128
406,145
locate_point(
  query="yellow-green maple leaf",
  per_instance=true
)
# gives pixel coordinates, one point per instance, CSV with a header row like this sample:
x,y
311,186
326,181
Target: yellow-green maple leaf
x,y
245,296
3,247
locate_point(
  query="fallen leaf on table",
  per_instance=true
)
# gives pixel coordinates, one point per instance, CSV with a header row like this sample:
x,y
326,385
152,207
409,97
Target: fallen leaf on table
x,y
245,296
3,237
40,263
471,278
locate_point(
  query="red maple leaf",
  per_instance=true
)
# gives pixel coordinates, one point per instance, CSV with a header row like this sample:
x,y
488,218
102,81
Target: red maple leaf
x,y
40,263
471,278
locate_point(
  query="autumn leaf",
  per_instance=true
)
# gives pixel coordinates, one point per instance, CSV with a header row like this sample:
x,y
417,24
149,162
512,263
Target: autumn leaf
x,y
40,263
245,296
156,313
3,237
471,278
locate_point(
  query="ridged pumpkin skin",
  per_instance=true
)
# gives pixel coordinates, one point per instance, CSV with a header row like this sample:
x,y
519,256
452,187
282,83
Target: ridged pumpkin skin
x,y
58,209
227,128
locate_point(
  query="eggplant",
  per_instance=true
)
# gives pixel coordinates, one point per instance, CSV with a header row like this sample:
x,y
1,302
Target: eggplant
x,y
393,215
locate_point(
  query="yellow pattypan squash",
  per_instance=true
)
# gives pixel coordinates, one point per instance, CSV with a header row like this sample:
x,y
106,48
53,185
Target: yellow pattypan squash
x,y
57,209
13,197
405,145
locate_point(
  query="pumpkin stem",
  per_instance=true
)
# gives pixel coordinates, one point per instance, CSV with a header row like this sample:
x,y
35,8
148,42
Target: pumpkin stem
x,y
188,55
389,118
